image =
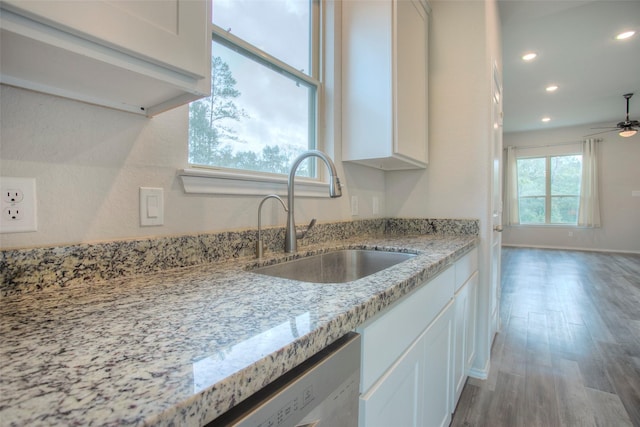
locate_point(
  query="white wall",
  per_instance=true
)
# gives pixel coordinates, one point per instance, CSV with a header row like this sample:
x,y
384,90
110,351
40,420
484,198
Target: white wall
x,y
456,184
619,176
89,163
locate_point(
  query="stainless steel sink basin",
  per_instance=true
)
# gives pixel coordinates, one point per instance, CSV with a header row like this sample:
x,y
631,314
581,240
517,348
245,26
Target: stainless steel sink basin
x,y
335,267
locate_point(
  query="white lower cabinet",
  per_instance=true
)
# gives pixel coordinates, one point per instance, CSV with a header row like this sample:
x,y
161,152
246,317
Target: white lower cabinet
x,y
462,325
395,399
416,355
415,390
464,344
438,348
470,346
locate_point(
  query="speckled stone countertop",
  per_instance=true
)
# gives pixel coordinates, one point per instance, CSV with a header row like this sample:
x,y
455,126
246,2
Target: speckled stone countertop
x,y
182,346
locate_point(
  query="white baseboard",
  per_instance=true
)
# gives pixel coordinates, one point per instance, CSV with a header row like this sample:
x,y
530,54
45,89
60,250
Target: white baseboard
x,y
568,248
480,373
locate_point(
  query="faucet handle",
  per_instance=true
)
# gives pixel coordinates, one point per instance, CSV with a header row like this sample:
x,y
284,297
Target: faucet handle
x,y
301,234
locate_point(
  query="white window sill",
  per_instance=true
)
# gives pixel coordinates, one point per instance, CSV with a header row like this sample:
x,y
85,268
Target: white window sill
x,y
209,181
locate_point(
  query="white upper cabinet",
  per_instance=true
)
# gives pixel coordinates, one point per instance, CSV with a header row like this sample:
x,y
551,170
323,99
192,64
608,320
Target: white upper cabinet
x,y
139,56
385,83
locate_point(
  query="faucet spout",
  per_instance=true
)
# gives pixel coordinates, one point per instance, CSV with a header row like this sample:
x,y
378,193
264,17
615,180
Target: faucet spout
x,y
259,244
335,190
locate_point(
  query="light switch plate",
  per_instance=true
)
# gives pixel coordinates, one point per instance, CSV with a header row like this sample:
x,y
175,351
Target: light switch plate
x,y
151,206
354,205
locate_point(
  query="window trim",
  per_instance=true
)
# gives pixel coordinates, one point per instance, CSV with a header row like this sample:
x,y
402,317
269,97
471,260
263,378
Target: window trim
x,y
202,180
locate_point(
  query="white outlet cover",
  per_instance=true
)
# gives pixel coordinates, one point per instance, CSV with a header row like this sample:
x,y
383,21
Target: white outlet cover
x,y
18,205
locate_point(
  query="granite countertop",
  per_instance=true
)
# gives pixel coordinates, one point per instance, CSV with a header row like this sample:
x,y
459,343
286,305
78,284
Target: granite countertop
x,y
181,347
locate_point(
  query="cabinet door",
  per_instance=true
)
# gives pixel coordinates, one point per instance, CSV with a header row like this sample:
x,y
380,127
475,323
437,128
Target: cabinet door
x,y
396,329
470,345
367,125
437,404
411,87
461,321
166,32
384,83
396,399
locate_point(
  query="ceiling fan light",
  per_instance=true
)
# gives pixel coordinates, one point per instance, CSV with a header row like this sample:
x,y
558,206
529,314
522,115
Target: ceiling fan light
x,y
627,132
625,35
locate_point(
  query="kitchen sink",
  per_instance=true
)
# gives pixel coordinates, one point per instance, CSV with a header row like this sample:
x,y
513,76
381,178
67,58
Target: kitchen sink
x,y
335,267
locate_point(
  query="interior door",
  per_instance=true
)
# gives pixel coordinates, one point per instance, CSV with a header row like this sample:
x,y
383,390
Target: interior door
x,y
496,200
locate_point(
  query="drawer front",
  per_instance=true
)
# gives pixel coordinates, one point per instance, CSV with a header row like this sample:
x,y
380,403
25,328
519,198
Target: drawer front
x,y
389,335
465,267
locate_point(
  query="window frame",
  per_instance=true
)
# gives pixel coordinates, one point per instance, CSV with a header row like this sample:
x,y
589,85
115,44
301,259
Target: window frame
x,y
547,155
203,179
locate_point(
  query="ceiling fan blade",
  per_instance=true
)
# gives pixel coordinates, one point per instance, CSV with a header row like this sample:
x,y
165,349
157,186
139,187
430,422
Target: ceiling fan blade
x,y
604,131
622,126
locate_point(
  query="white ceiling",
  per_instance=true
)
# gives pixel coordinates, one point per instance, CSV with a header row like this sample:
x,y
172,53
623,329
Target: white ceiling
x,y
577,51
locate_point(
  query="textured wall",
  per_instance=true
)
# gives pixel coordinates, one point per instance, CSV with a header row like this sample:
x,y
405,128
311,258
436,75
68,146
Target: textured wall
x,y
89,163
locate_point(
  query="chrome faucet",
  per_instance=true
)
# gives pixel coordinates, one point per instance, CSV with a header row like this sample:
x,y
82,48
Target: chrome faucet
x,y
335,190
259,244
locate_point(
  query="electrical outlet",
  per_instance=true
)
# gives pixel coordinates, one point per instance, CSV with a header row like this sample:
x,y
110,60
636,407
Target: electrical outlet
x,y
12,195
13,214
18,210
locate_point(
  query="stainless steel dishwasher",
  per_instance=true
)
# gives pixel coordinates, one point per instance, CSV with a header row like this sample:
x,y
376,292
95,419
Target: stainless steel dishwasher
x,y
321,392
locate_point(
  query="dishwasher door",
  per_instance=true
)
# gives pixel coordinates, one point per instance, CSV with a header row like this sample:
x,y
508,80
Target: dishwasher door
x,y
321,392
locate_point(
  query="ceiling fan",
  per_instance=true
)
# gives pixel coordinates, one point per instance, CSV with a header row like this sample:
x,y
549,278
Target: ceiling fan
x,y
626,128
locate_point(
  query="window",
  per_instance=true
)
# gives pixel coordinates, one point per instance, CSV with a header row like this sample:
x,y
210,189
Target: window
x,y
263,111
554,184
549,189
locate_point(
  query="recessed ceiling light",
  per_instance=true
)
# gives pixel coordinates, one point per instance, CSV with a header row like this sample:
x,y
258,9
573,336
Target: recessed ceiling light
x,y
625,35
546,119
529,56
552,88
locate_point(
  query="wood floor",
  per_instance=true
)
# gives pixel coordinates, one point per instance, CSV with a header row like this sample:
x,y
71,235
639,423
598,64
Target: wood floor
x,y
568,353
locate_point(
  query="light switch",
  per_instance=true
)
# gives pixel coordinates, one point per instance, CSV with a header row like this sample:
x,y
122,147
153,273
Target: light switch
x,y
151,206
354,205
